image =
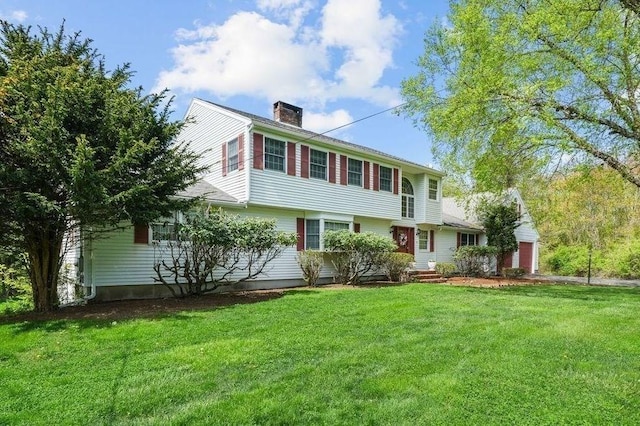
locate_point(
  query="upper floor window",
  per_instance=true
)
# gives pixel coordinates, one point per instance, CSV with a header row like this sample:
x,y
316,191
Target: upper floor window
x,y
274,154
408,200
468,239
355,172
232,154
385,178
318,164
433,189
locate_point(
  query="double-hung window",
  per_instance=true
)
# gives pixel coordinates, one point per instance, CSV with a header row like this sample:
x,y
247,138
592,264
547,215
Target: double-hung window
x,y
313,234
433,189
385,179
423,240
165,231
274,154
232,155
318,164
355,172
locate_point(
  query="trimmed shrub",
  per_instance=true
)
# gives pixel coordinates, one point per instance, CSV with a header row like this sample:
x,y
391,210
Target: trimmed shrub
x,y
395,266
513,272
474,261
356,254
311,263
445,269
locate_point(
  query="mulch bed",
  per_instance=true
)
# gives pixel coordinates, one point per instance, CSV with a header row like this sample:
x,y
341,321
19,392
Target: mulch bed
x,y
150,308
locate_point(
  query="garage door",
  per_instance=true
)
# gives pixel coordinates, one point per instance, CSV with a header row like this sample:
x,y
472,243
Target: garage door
x,y
525,257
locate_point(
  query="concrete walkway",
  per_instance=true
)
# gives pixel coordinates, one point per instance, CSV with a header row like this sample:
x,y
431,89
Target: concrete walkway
x,y
614,282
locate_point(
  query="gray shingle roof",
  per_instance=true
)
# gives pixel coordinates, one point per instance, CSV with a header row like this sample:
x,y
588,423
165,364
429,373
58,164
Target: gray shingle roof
x,y
207,191
309,135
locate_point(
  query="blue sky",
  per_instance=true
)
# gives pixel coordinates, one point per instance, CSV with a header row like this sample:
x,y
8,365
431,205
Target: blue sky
x,y
340,60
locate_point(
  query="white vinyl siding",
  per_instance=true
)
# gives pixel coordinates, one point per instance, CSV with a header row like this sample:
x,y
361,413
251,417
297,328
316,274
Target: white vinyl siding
x,y
207,132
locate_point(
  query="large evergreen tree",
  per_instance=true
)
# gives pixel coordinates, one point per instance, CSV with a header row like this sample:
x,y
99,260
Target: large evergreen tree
x,y
509,86
78,148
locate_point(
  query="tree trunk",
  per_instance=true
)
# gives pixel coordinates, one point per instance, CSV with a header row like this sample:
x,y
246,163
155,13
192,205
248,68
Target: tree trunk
x,y
44,246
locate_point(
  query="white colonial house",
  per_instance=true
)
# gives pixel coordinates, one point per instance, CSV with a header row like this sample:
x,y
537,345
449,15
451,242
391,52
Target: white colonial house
x,y
308,182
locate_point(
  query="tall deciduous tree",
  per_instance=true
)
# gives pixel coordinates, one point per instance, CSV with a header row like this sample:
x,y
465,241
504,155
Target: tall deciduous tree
x,y
508,86
78,148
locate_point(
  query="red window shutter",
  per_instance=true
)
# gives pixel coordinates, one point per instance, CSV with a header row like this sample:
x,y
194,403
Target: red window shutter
x,y
356,227
241,151
376,177
304,161
141,233
343,170
431,241
458,238
396,176
300,230
367,181
332,167
291,158
258,151
224,159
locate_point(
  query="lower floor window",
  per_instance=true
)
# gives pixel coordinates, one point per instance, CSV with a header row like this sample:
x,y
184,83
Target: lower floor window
x,y
468,239
313,234
316,227
164,231
423,240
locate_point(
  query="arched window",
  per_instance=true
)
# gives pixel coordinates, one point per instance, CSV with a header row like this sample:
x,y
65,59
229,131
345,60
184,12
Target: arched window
x,y
408,201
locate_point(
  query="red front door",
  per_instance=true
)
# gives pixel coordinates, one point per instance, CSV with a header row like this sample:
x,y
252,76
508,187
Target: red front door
x,y
405,239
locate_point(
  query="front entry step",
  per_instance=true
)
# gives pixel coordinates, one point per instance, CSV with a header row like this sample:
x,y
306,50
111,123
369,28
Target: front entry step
x,y
424,276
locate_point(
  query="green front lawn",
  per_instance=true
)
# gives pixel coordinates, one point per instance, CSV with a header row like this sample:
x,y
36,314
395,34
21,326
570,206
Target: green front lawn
x,y
413,354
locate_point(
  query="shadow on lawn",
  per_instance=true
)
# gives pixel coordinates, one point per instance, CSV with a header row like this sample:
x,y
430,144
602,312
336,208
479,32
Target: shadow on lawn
x,y
103,314
565,291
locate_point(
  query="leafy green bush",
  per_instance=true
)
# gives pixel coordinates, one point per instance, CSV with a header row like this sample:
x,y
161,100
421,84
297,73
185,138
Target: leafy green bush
x,y
474,261
395,266
445,269
15,291
623,261
218,249
356,254
572,261
311,263
513,272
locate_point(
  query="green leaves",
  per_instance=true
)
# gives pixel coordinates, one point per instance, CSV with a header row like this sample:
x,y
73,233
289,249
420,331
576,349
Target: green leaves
x,y
511,86
78,147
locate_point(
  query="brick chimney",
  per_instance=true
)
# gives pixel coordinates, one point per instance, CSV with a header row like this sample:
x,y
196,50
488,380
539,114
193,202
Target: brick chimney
x,y
286,113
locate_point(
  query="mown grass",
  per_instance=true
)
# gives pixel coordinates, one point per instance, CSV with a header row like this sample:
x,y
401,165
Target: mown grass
x,y
415,354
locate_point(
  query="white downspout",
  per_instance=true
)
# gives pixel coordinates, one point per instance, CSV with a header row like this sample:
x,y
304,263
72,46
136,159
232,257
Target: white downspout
x,y
92,293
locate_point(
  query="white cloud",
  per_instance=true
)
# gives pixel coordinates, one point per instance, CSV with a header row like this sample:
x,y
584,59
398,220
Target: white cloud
x,y
322,122
15,16
277,54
